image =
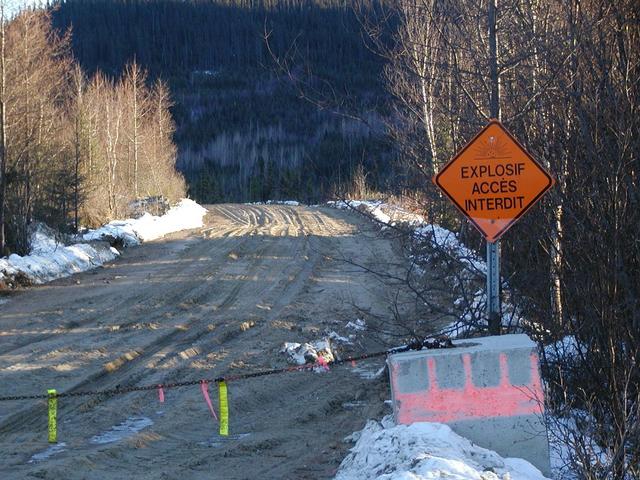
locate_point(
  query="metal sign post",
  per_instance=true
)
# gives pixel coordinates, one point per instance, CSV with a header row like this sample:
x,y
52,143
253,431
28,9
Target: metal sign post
x,y
494,307
493,287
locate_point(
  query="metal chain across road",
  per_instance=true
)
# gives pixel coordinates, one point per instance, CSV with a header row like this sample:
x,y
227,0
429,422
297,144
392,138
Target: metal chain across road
x,y
433,344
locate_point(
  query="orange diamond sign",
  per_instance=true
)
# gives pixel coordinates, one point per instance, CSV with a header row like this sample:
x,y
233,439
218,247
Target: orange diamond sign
x,y
493,180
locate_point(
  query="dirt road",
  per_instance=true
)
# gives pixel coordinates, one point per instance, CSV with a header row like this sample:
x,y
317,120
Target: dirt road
x,y
214,301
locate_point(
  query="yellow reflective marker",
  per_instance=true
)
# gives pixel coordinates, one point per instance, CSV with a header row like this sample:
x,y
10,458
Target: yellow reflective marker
x,y
53,414
224,408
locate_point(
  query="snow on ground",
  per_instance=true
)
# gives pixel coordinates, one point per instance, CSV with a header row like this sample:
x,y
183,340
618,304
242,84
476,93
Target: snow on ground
x,y
447,239
185,215
336,337
385,451
49,452
392,215
50,259
564,350
358,325
291,203
374,208
125,429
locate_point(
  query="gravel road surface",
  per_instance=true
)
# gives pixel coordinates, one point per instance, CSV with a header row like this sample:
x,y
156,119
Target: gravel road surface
x,y
200,304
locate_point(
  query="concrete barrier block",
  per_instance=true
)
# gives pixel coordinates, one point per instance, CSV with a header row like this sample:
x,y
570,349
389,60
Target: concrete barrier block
x,y
486,389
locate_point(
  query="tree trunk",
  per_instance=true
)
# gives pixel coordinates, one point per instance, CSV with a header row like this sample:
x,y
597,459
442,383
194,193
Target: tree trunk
x,y
3,131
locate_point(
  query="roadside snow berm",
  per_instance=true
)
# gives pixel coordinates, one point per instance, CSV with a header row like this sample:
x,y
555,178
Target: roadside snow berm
x,y
486,389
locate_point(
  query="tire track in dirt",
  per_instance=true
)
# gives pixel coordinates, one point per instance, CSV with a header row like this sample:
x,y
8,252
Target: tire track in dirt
x,y
176,336
224,298
101,379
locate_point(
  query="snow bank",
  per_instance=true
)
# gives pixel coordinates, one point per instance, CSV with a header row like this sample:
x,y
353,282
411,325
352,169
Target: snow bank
x,y
62,262
185,215
425,451
371,207
50,259
448,240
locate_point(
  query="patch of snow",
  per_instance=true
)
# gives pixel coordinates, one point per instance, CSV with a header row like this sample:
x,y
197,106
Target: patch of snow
x,y
128,428
565,434
121,230
560,458
185,215
424,451
49,452
49,259
58,263
340,339
303,353
373,208
422,231
43,240
292,203
448,240
358,325
562,350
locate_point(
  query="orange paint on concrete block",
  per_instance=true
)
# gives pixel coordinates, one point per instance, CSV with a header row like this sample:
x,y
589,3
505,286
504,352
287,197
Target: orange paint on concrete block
x,y
437,404
486,389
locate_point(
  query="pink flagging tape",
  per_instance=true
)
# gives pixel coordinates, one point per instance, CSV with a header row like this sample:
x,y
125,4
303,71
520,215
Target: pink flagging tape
x,y
323,363
204,386
160,394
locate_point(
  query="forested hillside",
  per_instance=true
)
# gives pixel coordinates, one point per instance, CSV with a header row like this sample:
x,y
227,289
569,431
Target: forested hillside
x,y
243,132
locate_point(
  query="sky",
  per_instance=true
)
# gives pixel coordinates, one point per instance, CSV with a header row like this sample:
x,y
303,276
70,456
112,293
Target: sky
x,y
14,6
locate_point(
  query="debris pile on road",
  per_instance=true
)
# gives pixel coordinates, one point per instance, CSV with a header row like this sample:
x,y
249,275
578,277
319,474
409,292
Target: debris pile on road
x,y
303,353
